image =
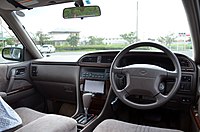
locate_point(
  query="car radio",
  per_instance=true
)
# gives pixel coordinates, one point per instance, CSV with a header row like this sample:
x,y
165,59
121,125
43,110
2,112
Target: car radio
x,y
94,73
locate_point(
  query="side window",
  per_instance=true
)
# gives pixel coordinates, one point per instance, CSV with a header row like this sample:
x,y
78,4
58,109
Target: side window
x,y
9,44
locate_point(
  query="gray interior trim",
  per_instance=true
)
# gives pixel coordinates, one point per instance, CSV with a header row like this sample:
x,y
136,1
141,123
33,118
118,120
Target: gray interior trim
x,y
56,73
198,78
17,96
60,79
55,63
191,9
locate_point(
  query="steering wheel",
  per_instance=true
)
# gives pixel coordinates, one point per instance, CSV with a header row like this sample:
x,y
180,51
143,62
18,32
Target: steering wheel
x,y
144,79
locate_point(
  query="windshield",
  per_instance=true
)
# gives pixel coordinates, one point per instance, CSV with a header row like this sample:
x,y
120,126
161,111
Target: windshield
x,y
120,24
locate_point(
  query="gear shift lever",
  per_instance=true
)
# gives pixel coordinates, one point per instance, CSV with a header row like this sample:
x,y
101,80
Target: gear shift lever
x,y
86,102
85,118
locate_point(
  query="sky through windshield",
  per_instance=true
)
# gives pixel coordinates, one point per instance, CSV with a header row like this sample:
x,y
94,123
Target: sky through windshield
x,y
156,17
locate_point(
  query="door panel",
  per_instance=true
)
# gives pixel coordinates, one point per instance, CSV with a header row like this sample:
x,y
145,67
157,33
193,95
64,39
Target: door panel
x,y
3,77
18,76
16,83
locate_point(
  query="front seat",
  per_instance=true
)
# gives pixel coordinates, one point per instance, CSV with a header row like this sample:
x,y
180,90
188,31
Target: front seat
x,y
111,125
33,121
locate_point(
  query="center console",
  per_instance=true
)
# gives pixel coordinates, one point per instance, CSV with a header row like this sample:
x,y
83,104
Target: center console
x,y
94,87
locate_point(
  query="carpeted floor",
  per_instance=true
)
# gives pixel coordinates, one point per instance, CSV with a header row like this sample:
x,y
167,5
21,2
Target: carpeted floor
x,y
67,109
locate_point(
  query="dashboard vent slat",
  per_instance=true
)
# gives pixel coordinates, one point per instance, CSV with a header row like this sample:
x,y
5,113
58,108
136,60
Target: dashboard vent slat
x,y
107,59
184,63
90,59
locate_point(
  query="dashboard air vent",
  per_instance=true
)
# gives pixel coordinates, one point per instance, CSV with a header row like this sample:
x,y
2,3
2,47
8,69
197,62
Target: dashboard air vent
x,y
90,59
184,63
107,59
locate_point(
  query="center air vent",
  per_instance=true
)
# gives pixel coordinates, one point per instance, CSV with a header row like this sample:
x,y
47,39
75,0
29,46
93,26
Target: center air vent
x,y
107,59
90,59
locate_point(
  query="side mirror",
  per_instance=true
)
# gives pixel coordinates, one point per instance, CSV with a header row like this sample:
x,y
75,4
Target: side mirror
x,y
81,12
12,53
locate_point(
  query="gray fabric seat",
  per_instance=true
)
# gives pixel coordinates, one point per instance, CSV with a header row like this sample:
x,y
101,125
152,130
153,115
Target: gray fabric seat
x,y
111,125
36,121
28,115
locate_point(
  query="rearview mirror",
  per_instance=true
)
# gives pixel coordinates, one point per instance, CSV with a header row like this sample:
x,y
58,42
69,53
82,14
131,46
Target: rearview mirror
x,y
12,53
81,12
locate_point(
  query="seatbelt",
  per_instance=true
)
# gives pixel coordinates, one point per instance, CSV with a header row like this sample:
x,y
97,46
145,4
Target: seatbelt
x,y
17,4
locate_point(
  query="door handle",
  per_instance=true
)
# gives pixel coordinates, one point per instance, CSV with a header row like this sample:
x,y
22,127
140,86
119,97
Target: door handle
x,y
20,71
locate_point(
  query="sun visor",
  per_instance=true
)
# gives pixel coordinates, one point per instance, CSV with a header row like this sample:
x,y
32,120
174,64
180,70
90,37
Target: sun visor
x,y
16,5
22,3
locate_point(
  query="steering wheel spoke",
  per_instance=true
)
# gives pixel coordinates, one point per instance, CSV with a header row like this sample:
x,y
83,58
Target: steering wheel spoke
x,y
172,74
160,97
119,70
123,93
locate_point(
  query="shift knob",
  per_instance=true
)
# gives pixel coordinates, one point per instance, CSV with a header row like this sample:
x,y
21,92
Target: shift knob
x,y
86,101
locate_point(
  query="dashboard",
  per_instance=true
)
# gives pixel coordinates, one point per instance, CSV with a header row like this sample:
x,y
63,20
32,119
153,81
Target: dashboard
x,y
96,67
68,81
